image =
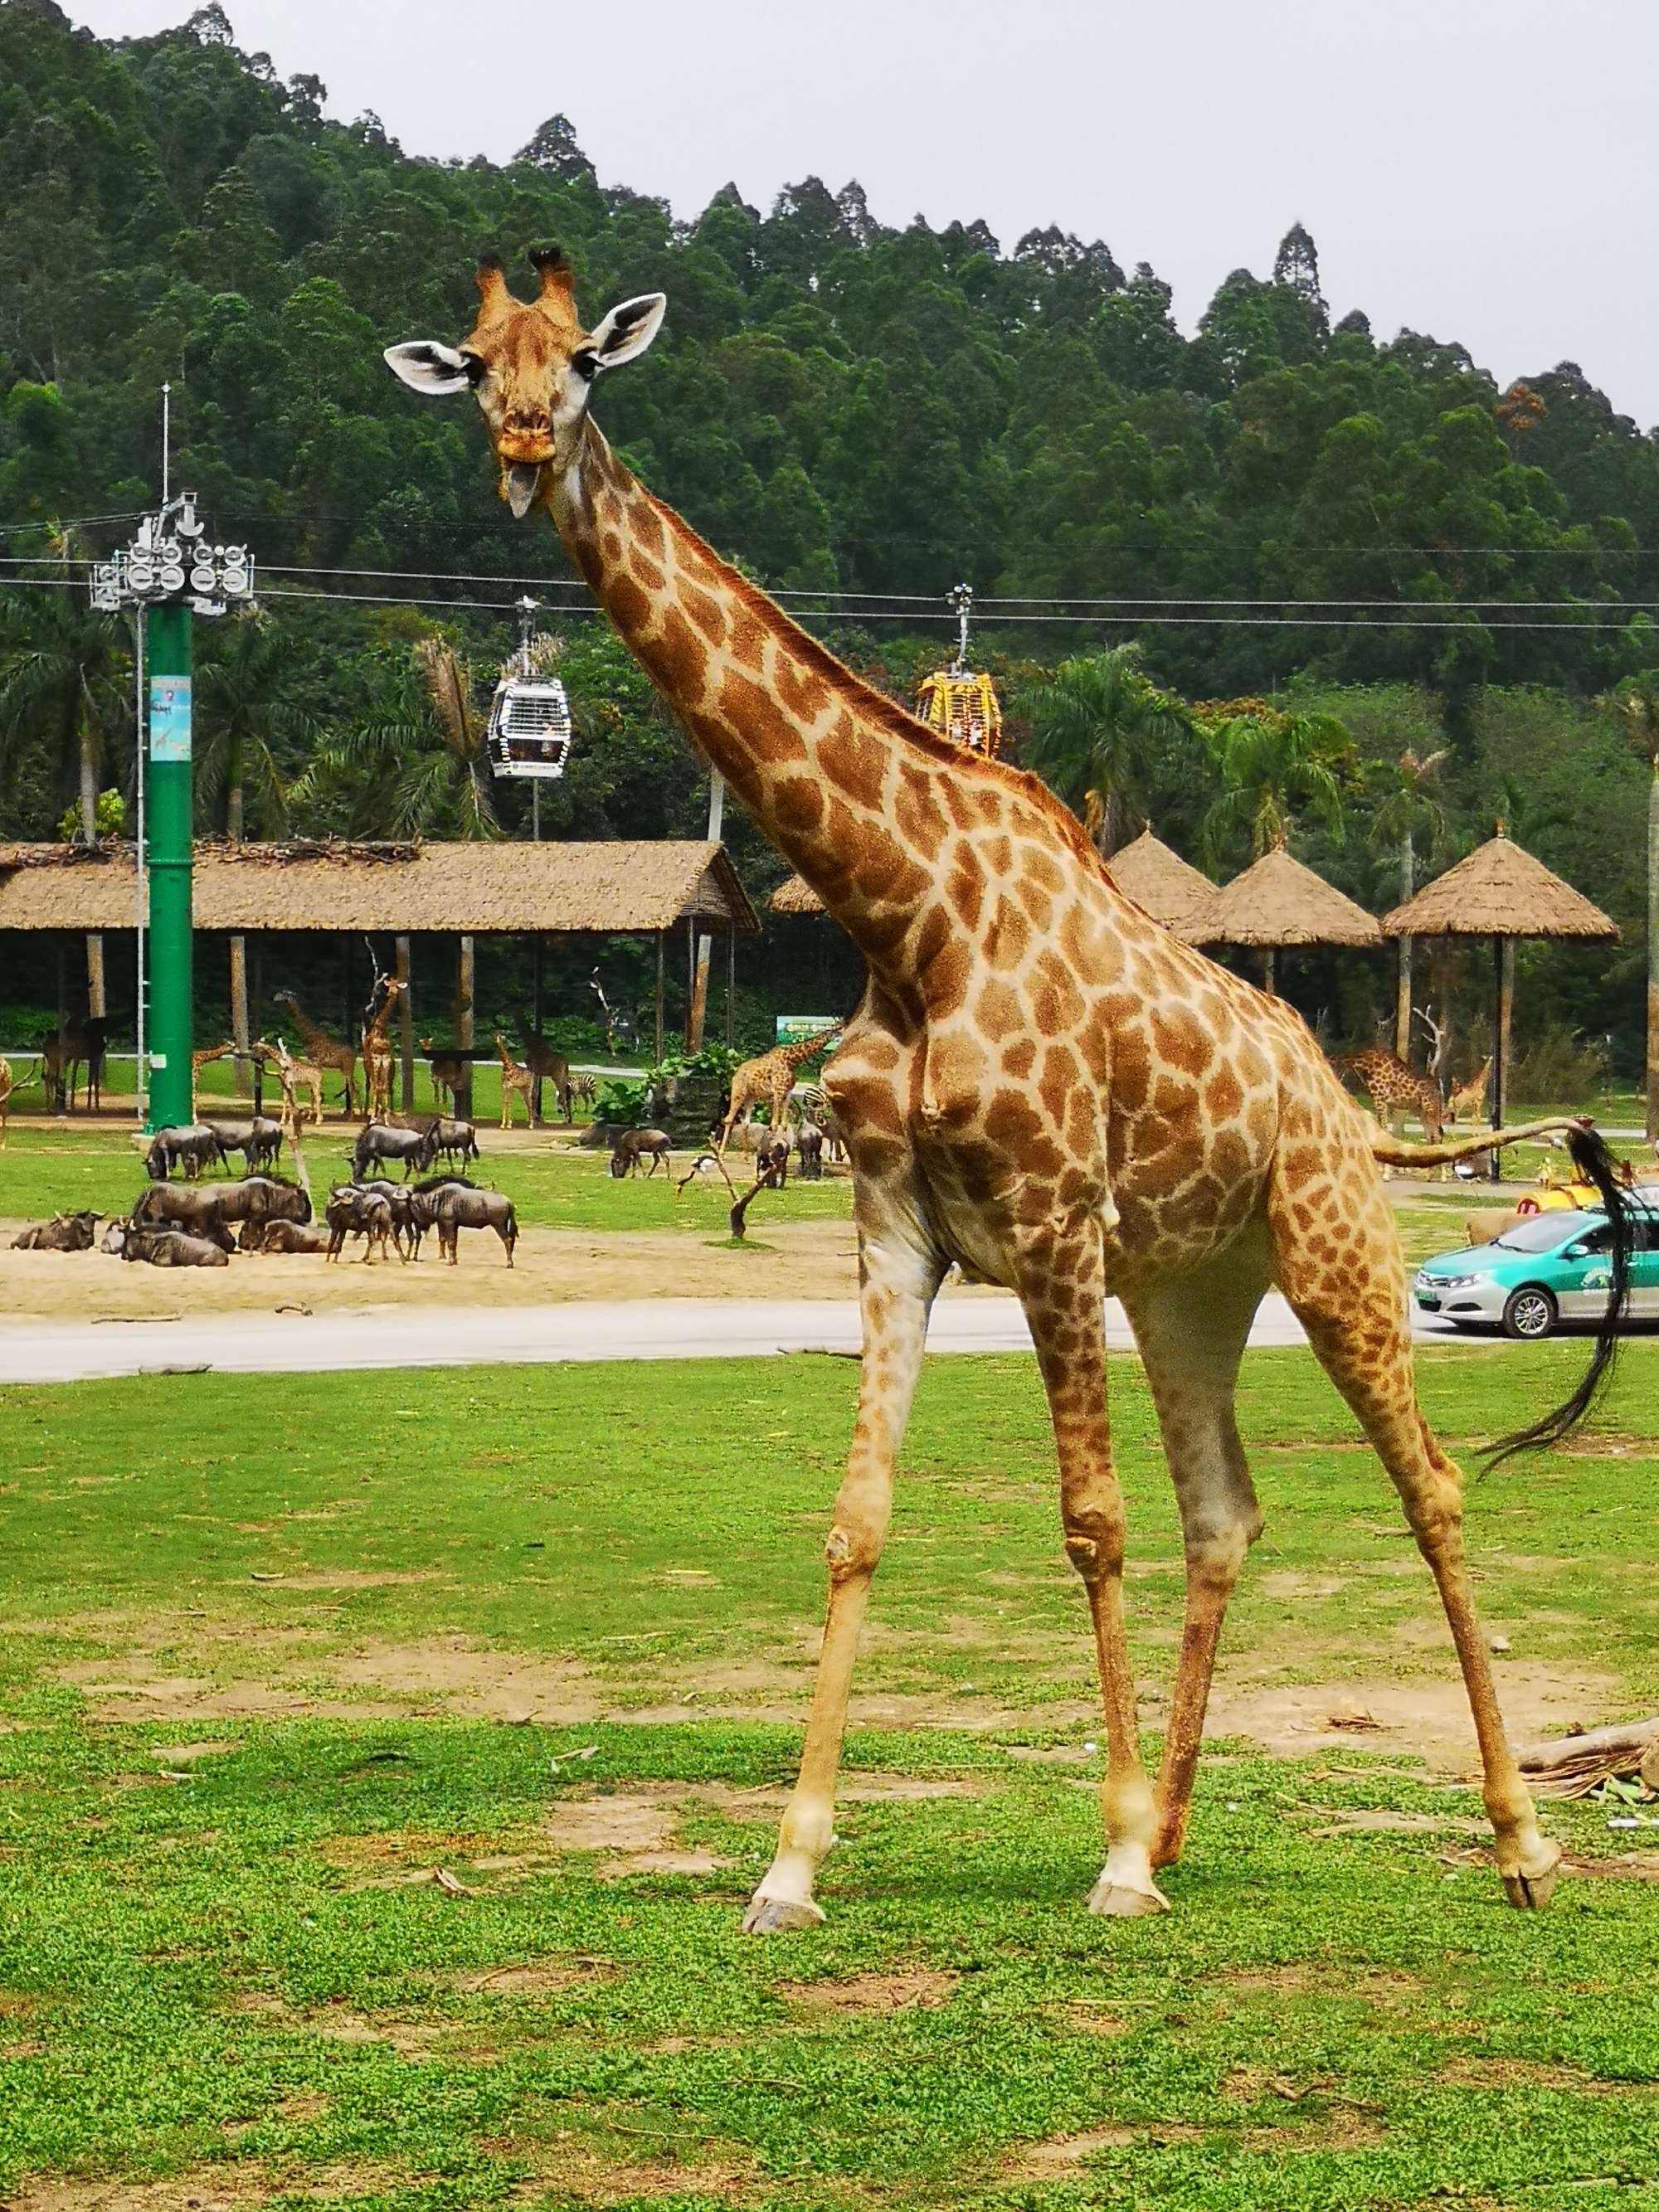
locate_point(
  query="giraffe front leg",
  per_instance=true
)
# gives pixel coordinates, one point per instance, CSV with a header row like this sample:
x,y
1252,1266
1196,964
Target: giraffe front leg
x,y
899,1282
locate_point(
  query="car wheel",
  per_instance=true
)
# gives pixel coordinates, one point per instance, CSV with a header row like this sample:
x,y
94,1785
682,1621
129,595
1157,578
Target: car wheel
x,y
1529,1314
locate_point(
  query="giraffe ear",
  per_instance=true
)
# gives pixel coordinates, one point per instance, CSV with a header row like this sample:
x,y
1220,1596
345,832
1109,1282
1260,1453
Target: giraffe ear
x,y
626,331
432,369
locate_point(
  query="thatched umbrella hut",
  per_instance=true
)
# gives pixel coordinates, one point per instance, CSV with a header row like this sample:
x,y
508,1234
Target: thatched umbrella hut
x,y
795,896
1166,887
1278,903
1501,892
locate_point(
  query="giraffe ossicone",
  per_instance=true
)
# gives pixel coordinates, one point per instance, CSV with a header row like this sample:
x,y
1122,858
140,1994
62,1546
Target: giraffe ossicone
x,y
1040,1084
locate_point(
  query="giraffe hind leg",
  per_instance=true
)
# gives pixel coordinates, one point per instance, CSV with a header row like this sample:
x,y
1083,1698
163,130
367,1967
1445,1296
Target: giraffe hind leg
x,y
1354,1312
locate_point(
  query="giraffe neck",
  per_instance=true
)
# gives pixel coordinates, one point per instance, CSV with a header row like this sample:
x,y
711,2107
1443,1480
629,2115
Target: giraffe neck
x,y
843,781
804,1049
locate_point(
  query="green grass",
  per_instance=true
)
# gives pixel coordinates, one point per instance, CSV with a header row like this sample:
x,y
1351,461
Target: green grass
x,y
234,1972
46,1170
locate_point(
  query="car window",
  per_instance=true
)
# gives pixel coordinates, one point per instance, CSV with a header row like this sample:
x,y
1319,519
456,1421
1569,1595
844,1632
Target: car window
x,y
1542,1232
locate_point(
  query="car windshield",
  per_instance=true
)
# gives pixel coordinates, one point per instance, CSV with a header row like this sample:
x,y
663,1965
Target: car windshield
x,y
1545,1231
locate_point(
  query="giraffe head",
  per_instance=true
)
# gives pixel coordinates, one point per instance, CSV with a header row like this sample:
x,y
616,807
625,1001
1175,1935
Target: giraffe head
x,y
531,367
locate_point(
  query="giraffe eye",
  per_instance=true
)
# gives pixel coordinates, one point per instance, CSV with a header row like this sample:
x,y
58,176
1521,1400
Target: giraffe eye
x,y
476,368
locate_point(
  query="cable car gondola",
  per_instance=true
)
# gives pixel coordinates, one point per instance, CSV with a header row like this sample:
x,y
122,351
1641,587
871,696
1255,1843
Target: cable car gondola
x,y
960,701
529,732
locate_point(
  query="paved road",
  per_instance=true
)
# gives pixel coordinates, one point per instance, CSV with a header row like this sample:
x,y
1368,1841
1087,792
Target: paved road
x,y
662,1329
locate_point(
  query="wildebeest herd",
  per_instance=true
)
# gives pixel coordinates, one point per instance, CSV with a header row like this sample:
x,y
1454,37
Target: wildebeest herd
x,y
197,1222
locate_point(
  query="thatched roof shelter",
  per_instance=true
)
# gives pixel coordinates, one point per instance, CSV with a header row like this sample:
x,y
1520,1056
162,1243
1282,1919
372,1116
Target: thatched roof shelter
x,y
626,887
1499,890
795,896
1166,887
1502,892
1278,902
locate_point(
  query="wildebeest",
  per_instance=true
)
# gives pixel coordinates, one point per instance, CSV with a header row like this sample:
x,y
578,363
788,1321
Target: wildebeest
x,y
284,1236
463,1206
356,1209
635,1145
380,1142
65,1232
808,1147
203,1207
165,1247
189,1146
453,1139
259,1140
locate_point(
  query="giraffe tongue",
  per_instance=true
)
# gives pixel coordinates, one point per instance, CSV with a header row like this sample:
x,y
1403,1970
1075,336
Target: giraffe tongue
x,y
523,481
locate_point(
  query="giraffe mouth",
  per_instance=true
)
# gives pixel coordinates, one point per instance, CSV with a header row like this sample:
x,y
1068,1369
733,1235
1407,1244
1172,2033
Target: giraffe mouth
x,y
521,481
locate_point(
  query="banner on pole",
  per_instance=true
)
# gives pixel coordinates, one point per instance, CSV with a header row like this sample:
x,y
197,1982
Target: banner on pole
x,y
169,717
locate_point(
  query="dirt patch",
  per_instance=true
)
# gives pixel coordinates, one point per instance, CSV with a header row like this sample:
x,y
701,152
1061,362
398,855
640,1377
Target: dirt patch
x,y
1490,2073
1426,1715
538,1978
582,2174
187,1754
227,2188
461,1676
1381,1820
347,1579
339,2024
914,1989
1057,2155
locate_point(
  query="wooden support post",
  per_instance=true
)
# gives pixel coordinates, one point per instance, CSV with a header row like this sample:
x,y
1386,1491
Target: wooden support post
x,y
693,1009
536,1003
662,939
62,1023
406,1023
731,986
1503,963
257,999
466,980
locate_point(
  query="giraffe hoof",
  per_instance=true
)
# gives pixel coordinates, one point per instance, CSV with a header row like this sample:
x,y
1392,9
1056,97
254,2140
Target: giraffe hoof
x,y
1113,1901
780,1916
1531,1893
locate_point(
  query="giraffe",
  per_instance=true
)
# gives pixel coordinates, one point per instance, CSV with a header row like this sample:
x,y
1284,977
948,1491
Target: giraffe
x,y
1469,1100
7,1086
769,1079
294,1076
516,1082
546,1063
1394,1087
377,1050
329,1053
1041,1084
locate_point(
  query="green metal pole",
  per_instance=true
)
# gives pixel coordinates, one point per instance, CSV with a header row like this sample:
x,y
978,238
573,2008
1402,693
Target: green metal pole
x,y
168,808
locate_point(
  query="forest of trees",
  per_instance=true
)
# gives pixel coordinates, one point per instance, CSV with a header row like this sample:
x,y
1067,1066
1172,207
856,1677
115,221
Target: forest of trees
x,y
1363,532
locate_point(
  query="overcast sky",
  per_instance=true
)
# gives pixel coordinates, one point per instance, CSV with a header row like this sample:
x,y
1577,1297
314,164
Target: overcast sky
x,y
1482,170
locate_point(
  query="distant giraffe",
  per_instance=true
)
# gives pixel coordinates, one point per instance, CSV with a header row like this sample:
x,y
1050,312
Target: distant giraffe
x,y
377,1051
769,1079
546,1063
516,1082
448,1070
6,1087
294,1076
1468,1100
1394,1087
330,1053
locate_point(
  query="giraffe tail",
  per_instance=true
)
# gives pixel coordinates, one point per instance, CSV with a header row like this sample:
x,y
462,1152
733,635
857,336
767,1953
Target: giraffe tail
x,y
1391,1151
1595,1161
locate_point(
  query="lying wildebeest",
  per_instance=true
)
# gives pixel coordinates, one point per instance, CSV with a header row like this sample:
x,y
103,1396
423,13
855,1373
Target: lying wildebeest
x,y
283,1236
635,1145
259,1140
453,1140
356,1210
463,1206
205,1207
189,1146
166,1248
380,1142
65,1232
116,1236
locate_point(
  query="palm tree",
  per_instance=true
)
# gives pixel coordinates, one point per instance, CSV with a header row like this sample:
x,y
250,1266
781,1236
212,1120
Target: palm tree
x,y
418,767
1634,704
63,681
1409,806
1099,730
1274,768
251,727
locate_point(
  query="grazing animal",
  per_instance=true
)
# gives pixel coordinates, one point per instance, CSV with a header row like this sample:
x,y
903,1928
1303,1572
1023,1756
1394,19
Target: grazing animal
x,y
1394,1088
461,1206
86,1040
358,1210
1468,1100
166,1248
633,1145
584,1087
453,1139
769,1080
65,1232
259,1140
293,1237
808,1152
449,1071
203,1208
422,1205
546,1063
1041,1084
327,1052
191,1146
377,1050
516,1082
381,1141
772,1163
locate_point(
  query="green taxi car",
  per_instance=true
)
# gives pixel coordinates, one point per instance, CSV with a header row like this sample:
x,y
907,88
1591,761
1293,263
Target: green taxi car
x,y
1550,1268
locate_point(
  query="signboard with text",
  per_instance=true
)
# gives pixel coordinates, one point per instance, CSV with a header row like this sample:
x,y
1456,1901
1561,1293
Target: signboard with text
x,y
793,1027
169,717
